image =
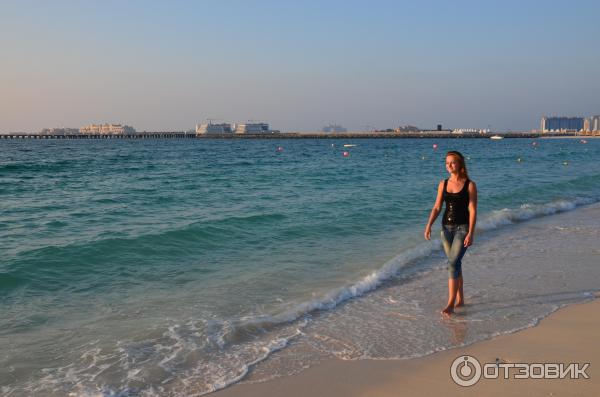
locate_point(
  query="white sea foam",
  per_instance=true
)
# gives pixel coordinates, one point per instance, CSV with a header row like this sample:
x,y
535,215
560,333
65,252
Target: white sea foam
x,y
272,347
331,299
505,216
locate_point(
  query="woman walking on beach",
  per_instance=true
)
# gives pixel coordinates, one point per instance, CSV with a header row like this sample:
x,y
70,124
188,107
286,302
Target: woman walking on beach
x,y
458,223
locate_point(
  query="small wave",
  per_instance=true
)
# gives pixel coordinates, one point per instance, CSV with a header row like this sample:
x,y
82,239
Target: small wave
x,y
57,166
525,212
272,347
45,267
56,224
237,330
106,200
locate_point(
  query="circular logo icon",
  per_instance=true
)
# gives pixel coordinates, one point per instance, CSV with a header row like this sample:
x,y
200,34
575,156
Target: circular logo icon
x,y
465,371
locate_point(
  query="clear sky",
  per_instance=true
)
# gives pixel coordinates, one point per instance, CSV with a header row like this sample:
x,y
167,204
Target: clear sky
x,y
297,64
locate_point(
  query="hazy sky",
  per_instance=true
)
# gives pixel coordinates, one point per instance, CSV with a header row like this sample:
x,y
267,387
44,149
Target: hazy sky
x,y
297,64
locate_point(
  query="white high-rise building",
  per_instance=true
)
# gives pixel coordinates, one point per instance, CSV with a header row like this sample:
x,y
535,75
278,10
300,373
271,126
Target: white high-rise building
x,y
595,123
592,124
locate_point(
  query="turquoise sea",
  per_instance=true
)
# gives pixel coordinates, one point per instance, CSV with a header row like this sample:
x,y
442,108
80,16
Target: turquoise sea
x,y
178,267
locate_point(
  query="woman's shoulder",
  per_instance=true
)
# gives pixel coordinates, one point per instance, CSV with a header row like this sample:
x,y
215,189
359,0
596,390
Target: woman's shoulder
x,y
441,187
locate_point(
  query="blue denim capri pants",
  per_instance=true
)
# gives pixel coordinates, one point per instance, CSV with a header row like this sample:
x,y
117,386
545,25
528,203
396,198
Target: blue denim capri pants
x,y
453,240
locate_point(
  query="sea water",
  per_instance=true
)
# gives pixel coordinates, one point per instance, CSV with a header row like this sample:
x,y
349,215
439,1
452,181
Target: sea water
x,y
178,267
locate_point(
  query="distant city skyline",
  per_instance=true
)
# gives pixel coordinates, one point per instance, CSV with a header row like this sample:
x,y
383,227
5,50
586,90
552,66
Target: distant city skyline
x,y
297,65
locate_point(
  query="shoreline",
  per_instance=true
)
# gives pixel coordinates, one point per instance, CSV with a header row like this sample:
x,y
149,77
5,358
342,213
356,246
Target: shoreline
x,y
567,335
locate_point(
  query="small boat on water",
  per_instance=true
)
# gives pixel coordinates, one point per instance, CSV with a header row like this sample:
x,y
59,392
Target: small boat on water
x,y
349,145
496,137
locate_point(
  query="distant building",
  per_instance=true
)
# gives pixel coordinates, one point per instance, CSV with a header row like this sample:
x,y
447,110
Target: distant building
x,y
107,129
334,128
592,124
561,124
595,124
252,128
480,131
210,128
59,131
408,128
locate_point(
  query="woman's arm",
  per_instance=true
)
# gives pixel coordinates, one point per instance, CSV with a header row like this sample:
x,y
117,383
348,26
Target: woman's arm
x,y
472,213
435,211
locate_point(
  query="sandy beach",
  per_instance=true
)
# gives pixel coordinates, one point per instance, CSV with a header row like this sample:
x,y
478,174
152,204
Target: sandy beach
x,y
566,336
569,335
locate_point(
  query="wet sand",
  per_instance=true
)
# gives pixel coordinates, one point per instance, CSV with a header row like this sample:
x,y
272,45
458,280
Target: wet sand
x,y
569,335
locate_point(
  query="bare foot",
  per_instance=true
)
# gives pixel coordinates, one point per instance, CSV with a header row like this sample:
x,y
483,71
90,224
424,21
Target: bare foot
x,y
448,311
459,304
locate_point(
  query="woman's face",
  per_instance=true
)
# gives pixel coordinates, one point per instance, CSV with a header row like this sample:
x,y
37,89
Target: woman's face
x,y
452,164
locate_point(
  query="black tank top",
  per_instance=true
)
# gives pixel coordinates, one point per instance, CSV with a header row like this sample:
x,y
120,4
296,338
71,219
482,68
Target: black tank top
x,y
457,205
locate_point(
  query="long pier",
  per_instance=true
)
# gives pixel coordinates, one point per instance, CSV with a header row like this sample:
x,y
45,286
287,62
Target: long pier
x,y
149,135
291,135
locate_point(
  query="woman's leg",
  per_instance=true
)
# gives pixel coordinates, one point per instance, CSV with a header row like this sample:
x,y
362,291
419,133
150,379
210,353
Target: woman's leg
x,y
452,291
460,296
453,242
